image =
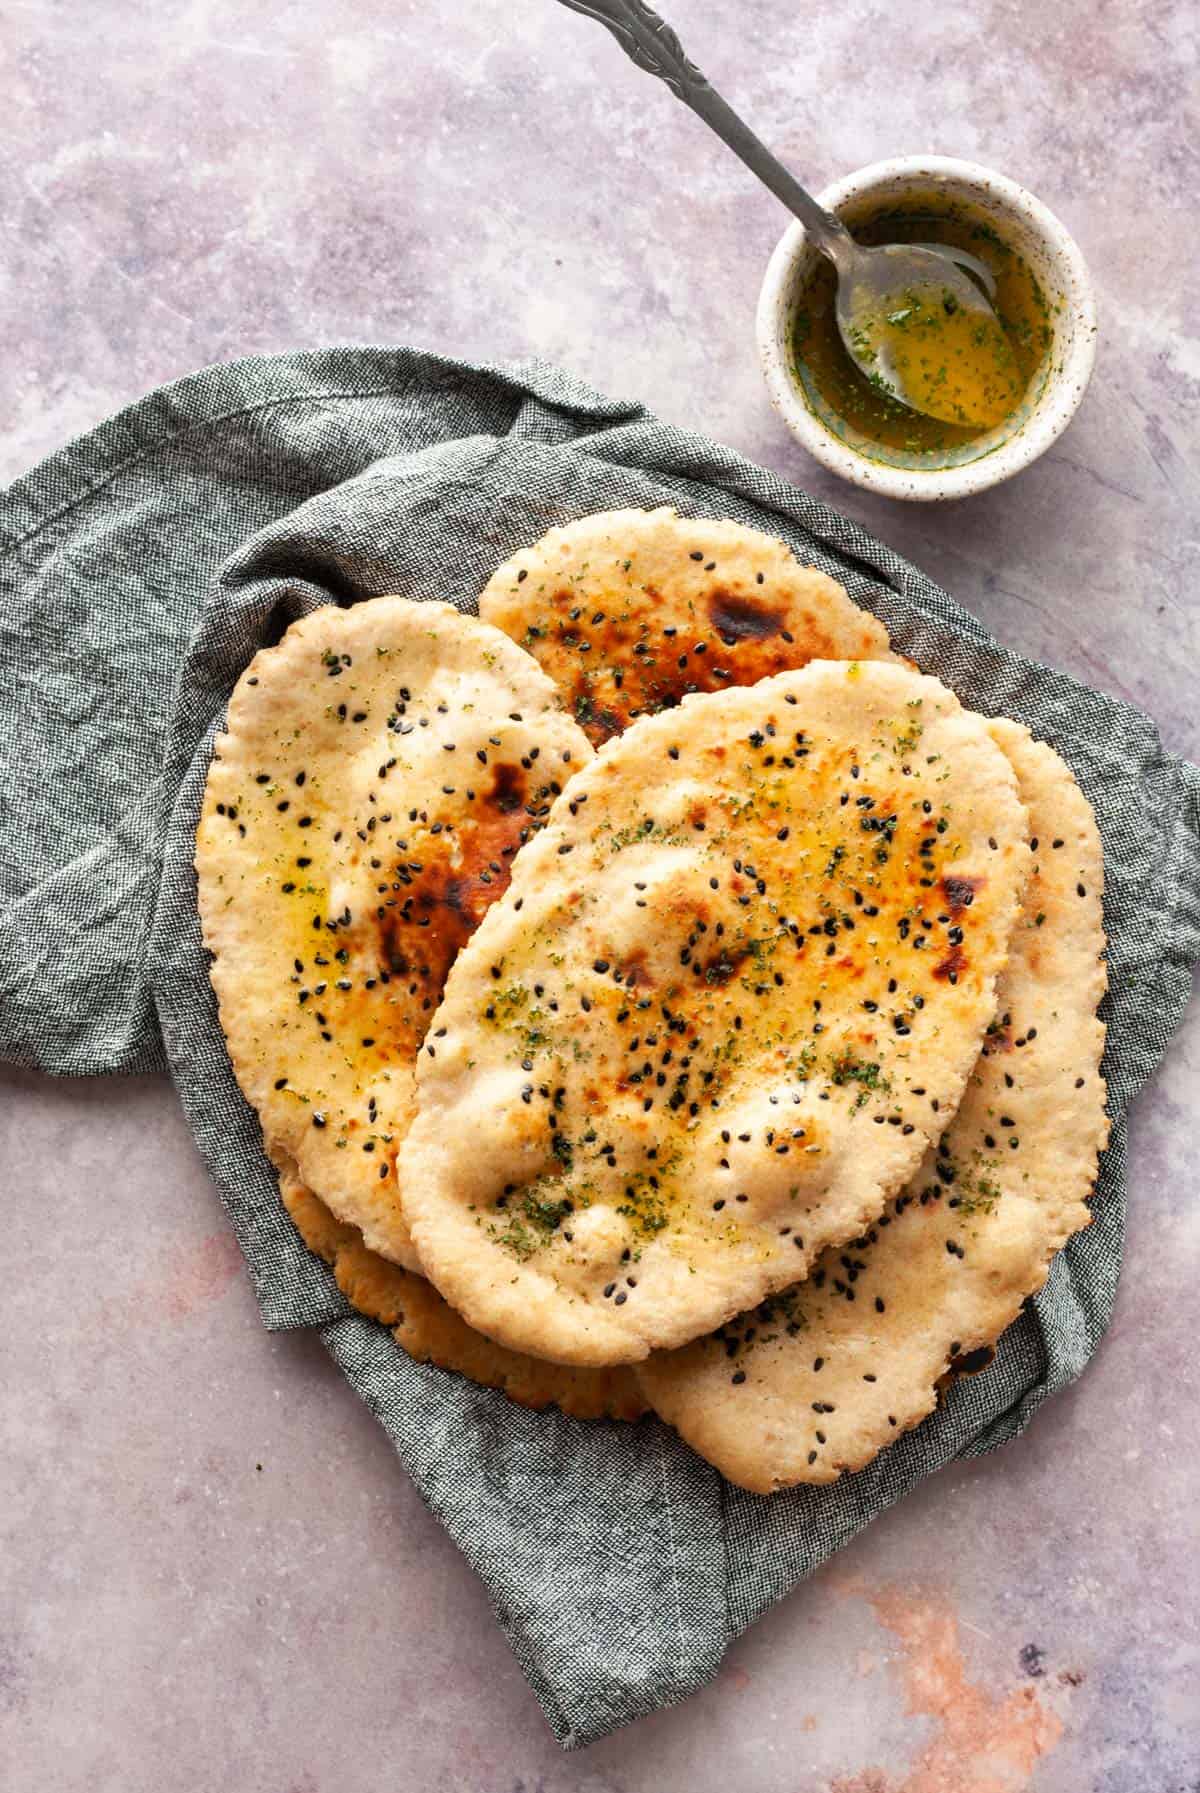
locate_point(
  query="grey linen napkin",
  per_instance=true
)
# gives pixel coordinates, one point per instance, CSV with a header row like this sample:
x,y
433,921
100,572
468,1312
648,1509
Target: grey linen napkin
x,y
140,569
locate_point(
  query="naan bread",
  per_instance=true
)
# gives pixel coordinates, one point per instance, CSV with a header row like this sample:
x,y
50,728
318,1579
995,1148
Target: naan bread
x,y
630,610
714,1020
432,1332
382,766
820,1379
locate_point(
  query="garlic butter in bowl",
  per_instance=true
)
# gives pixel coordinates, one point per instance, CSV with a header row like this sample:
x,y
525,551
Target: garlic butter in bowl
x,y
991,424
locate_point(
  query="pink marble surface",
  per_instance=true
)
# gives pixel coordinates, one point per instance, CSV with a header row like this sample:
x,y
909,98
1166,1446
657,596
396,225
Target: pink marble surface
x,y
212,1571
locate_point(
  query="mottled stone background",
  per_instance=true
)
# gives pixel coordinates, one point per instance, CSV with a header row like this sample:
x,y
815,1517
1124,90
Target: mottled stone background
x,y
213,1572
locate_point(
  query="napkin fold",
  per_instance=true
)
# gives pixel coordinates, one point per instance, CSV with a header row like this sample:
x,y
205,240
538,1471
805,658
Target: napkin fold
x,y
140,569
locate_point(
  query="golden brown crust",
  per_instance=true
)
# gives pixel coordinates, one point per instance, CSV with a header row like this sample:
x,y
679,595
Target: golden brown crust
x,y
629,611
381,767
819,1381
752,926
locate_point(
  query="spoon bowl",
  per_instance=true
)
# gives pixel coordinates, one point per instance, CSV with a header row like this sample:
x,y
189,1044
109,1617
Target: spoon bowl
x,y
922,329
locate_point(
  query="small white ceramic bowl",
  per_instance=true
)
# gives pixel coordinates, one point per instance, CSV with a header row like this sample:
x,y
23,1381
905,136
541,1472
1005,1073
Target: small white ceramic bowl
x,y
1028,227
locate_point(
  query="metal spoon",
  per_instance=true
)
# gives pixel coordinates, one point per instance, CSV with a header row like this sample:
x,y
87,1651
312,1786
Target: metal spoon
x,y
889,299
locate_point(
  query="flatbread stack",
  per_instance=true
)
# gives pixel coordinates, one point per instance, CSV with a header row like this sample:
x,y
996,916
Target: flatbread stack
x,y
745,1069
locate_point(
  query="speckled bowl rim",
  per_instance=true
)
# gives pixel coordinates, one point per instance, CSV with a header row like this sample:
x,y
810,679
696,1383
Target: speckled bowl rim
x,y
1074,348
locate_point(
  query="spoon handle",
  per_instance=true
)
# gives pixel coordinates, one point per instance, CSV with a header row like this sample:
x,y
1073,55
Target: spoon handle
x,y
650,42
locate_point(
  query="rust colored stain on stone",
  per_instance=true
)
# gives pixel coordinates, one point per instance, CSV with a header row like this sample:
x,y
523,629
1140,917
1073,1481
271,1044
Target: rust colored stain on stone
x,y
982,1741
